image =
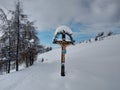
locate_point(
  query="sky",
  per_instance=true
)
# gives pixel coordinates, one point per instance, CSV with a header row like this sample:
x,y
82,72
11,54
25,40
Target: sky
x,y
85,18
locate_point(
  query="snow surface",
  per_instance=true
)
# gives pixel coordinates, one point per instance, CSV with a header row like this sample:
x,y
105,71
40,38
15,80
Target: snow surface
x,y
89,66
62,29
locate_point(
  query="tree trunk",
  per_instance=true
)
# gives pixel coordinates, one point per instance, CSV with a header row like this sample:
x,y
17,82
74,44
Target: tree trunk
x,y
27,62
18,27
9,66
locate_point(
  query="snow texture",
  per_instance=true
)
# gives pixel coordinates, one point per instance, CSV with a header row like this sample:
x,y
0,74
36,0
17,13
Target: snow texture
x,y
31,41
63,28
1,33
89,66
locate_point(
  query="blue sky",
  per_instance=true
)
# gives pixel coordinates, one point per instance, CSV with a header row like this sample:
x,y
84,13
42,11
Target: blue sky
x,y
80,31
46,37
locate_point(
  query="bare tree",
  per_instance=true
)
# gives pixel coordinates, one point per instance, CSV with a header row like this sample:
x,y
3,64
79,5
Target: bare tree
x,y
19,41
5,27
27,39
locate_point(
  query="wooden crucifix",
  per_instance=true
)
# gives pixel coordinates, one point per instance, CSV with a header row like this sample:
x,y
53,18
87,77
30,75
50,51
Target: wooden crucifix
x,y
63,43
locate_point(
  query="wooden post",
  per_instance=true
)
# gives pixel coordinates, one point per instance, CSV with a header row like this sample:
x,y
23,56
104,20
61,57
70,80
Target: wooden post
x,y
63,56
63,61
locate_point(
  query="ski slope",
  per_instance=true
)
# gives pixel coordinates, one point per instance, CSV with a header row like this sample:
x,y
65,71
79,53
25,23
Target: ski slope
x,y
89,66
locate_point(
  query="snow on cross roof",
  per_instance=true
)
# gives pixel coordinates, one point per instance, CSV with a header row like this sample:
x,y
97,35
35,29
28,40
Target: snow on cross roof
x,y
62,29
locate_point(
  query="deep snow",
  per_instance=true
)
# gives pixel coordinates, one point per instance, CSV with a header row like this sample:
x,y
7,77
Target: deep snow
x,y
89,66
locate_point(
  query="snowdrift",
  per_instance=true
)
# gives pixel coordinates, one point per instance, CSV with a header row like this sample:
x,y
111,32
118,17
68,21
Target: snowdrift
x,y
89,66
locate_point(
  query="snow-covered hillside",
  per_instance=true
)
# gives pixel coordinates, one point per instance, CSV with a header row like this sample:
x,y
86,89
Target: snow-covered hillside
x,y
89,66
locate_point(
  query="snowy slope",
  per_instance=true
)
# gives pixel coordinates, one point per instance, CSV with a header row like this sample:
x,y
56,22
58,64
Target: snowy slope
x,y
91,66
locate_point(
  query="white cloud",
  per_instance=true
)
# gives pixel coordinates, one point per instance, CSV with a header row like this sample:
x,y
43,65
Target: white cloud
x,y
97,14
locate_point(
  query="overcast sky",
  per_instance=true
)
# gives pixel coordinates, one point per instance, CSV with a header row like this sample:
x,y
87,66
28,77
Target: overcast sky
x,y
89,16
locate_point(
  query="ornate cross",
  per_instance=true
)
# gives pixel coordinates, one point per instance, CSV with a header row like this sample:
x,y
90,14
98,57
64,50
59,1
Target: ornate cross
x,y
63,43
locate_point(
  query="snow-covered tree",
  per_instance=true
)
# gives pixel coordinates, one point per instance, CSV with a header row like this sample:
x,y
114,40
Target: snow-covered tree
x,y
24,37
5,38
19,40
